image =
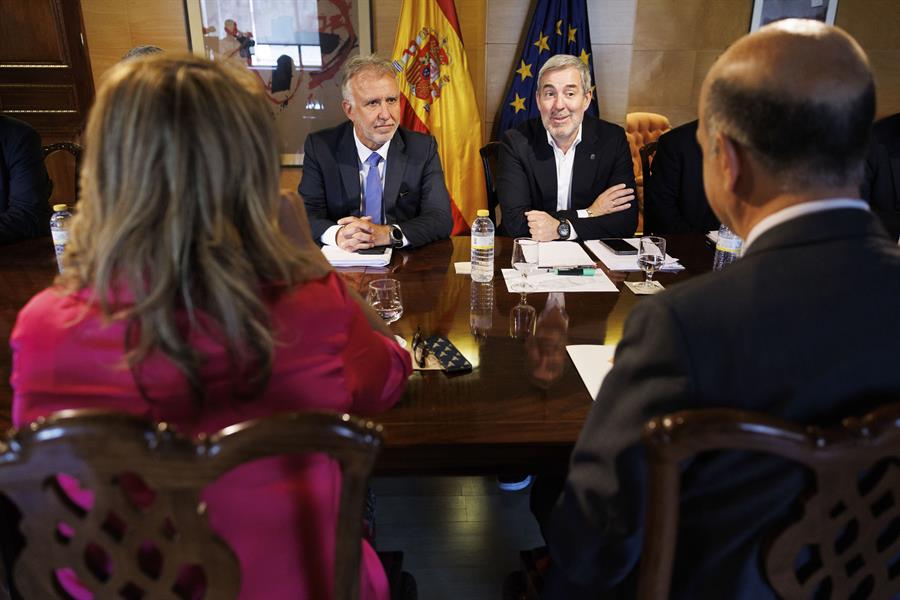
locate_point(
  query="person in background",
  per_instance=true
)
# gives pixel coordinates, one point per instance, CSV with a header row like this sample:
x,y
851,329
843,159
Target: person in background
x,y
796,328
369,182
24,184
674,200
882,182
566,176
184,299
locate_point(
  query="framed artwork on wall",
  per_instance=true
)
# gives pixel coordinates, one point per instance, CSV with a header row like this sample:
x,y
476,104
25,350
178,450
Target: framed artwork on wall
x,y
295,48
767,11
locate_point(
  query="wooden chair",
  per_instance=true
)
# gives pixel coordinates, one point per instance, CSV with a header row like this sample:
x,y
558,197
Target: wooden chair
x,y
63,171
146,540
641,128
856,479
489,162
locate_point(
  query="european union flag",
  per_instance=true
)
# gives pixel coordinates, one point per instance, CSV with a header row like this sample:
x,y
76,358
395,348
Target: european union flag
x,y
558,27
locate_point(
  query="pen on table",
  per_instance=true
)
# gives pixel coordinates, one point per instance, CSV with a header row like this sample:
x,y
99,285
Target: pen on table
x,y
589,272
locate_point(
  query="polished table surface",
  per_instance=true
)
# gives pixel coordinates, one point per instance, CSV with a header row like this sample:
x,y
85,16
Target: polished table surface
x,y
498,417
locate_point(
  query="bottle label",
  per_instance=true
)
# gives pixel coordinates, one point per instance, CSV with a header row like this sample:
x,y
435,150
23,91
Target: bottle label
x,y
482,242
730,244
60,237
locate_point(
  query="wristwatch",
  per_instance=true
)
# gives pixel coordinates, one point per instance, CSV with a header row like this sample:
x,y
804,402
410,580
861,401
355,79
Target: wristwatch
x,y
396,237
564,230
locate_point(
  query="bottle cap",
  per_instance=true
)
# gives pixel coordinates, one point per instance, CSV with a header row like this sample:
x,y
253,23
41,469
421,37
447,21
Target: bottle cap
x,y
482,212
59,207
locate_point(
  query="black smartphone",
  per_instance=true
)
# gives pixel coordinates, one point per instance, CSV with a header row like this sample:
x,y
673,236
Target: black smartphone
x,y
378,250
619,246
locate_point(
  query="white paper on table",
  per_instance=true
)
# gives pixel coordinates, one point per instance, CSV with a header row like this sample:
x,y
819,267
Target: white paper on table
x,y
543,281
713,235
592,362
627,262
463,268
561,254
339,257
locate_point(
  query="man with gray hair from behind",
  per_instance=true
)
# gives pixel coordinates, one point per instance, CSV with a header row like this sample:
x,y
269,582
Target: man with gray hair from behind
x,y
369,182
802,328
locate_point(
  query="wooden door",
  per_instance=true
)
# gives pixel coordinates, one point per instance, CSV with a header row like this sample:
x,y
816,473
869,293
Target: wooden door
x,y
45,73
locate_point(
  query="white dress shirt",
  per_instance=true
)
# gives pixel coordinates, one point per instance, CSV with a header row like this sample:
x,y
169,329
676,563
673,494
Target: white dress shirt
x,y
363,153
565,162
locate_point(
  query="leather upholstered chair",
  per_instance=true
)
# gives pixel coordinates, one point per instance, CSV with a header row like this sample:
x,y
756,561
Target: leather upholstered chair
x,y
845,540
146,523
489,162
642,128
63,163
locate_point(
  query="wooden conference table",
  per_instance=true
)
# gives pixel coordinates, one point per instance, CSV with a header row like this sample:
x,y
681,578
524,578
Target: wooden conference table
x,y
502,415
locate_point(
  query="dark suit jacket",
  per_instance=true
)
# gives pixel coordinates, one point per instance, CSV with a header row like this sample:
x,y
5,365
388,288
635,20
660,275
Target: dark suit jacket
x,y
674,198
881,186
415,196
797,328
24,184
527,179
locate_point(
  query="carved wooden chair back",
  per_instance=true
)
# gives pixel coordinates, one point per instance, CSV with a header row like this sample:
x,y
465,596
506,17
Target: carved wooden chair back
x,y
489,162
115,499
63,163
851,513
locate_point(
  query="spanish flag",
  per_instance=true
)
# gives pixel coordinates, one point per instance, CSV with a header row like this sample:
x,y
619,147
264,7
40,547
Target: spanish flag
x,y
438,98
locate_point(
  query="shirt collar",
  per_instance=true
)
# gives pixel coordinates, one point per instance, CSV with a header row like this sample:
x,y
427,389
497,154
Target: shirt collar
x,y
553,145
798,210
363,151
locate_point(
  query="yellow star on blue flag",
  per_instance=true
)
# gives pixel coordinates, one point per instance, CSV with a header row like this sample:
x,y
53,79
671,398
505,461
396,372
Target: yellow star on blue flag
x,y
569,21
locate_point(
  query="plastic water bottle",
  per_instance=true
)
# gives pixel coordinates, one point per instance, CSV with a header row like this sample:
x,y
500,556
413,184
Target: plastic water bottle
x,y
59,230
481,309
728,248
482,248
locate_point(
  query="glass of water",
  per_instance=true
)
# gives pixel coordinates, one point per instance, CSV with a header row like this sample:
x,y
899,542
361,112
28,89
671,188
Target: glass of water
x,y
651,256
524,260
384,296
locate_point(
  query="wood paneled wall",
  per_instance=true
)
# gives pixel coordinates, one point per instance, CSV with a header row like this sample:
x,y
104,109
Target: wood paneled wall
x,y
114,27
648,54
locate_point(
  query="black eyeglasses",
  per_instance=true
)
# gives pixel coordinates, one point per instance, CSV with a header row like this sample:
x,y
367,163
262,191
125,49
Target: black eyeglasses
x,y
420,348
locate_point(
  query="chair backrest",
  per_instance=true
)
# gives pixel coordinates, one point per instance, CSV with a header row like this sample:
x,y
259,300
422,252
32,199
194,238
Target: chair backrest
x,y
63,163
641,128
646,153
489,162
145,526
856,471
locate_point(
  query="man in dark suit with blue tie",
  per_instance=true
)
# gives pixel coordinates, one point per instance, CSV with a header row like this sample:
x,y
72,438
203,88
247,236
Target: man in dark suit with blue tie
x,y
369,182
566,175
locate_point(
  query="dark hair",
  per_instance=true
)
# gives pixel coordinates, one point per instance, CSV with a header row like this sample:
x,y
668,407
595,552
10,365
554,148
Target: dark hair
x,y
800,141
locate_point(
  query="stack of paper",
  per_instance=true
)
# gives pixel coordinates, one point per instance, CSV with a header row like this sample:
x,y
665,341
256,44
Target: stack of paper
x,y
545,281
341,258
627,262
561,254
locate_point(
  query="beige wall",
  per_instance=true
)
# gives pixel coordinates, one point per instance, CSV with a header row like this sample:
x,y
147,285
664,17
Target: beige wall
x,y
115,26
649,55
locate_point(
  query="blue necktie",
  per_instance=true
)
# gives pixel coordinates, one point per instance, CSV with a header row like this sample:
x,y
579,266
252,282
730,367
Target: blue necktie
x,y
373,189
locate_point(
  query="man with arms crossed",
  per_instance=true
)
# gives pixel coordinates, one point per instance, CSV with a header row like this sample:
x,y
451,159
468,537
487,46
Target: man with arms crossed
x,y
799,328
566,175
369,182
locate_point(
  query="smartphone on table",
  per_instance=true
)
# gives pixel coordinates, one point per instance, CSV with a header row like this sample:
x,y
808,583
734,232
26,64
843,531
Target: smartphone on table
x,y
619,246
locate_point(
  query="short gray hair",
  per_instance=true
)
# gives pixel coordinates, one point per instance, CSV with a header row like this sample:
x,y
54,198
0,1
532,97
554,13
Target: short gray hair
x,y
558,62
145,50
376,64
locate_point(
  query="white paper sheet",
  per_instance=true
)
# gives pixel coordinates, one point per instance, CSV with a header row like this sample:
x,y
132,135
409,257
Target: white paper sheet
x,y
592,362
543,281
463,268
341,258
618,262
562,254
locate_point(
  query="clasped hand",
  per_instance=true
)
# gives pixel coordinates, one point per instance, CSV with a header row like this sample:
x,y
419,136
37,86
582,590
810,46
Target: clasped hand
x,y
360,233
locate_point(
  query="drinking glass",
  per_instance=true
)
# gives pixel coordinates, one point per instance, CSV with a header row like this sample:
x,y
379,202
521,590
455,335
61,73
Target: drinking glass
x,y
522,320
523,248
384,296
651,256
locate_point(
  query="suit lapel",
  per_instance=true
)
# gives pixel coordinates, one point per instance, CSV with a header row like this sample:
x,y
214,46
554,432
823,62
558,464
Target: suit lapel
x,y
545,169
348,161
396,168
584,168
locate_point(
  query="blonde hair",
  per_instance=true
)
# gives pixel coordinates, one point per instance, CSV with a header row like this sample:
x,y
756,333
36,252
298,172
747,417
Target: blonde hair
x,y
179,215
